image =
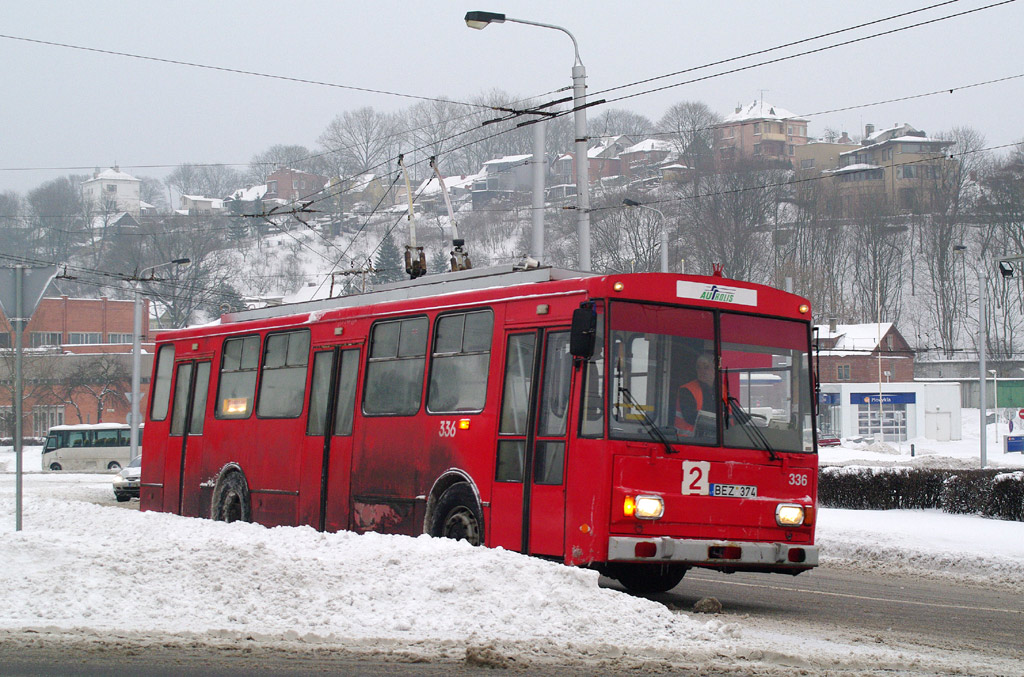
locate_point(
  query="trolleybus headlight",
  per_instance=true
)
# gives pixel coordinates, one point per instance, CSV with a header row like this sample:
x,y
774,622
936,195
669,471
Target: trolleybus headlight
x,y
789,514
644,507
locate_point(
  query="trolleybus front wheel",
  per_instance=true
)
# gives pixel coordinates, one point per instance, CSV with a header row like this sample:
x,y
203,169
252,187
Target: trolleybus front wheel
x,y
231,499
457,515
55,466
648,578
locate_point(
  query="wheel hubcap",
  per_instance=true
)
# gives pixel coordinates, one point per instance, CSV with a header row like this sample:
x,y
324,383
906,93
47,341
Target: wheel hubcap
x,y
461,524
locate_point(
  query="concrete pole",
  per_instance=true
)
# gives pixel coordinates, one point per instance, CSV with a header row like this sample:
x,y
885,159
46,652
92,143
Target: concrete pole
x,y
982,339
579,100
539,169
136,371
19,386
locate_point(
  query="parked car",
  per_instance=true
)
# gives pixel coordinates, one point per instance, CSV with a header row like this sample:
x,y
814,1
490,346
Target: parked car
x,y
828,440
126,482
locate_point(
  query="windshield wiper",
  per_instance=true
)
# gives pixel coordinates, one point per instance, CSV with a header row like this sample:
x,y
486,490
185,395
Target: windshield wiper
x,y
652,429
747,422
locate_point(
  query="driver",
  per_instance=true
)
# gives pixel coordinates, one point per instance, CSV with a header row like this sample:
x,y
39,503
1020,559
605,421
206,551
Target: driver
x,y
697,395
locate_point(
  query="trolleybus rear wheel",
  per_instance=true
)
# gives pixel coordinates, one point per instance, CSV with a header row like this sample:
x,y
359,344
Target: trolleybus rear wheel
x,y
231,499
458,515
113,465
646,578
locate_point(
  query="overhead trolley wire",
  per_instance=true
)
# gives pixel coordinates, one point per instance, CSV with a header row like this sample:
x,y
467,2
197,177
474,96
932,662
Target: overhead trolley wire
x,y
812,51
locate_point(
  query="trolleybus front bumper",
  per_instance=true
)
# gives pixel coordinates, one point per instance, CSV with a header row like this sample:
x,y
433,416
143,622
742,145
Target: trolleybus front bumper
x,y
723,555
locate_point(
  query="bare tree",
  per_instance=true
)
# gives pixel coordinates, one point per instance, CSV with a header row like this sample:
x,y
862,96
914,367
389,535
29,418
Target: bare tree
x,y
361,141
297,157
616,121
626,240
729,219
1001,211
689,125
60,217
105,378
13,233
206,180
952,196
880,247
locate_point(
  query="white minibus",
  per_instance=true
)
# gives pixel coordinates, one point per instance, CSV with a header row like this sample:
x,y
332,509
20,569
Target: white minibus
x,y
96,447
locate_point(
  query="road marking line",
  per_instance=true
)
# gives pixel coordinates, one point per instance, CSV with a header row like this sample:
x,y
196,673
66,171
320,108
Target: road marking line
x,y
870,599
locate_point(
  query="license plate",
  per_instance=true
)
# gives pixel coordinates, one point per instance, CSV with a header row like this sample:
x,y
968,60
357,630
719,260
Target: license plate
x,y
734,490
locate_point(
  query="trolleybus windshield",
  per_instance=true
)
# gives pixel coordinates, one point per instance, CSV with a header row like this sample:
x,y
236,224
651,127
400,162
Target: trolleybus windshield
x,y
669,383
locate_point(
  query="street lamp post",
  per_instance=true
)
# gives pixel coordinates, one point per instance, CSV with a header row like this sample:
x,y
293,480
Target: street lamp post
x,y
664,230
479,21
137,351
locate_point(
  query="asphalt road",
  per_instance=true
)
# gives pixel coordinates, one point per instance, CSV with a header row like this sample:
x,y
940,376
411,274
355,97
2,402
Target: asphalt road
x,y
916,610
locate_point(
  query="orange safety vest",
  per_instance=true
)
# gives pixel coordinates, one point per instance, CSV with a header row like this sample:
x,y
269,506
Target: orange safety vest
x,y
698,399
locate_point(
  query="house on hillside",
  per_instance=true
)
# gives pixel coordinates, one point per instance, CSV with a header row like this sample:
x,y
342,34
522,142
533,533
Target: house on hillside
x,y
248,200
644,160
291,184
759,130
900,167
199,204
501,178
112,191
866,376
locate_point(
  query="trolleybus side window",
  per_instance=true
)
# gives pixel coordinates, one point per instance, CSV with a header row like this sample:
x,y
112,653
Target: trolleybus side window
x,y
345,397
162,383
549,460
394,371
515,407
460,362
283,381
237,383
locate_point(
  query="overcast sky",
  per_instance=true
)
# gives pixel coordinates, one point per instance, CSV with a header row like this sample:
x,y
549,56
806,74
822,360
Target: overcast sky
x,y
64,108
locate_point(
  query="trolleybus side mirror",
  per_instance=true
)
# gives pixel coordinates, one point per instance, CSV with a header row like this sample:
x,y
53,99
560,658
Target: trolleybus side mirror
x,y
584,332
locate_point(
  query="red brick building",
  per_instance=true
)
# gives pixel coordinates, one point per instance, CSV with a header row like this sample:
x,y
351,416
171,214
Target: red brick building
x,y
291,184
856,352
77,365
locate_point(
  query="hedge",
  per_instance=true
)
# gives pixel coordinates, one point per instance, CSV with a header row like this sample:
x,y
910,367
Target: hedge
x,y
992,493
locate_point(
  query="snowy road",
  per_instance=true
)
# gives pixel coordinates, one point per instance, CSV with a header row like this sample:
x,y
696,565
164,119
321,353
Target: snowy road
x,y
92,581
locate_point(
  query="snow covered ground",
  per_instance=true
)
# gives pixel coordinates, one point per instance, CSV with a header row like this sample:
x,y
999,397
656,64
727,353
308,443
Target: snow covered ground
x,y
85,565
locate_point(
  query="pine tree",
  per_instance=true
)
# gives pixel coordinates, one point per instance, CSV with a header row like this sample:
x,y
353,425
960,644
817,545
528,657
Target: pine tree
x,y
389,263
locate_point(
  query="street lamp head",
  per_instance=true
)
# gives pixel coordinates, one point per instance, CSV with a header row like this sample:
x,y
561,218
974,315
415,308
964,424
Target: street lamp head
x,y
630,203
181,262
1006,269
480,20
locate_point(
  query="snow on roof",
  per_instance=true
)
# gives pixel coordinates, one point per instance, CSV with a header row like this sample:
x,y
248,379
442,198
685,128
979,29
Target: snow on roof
x,y
852,168
109,174
853,339
431,185
509,159
250,194
648,145
761,110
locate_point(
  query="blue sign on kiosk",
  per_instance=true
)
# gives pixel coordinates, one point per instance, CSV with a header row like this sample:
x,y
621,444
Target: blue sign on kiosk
x,y
1013,443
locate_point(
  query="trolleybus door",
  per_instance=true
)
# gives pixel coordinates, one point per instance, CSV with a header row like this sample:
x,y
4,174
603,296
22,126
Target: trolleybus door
x,y
528,497
324,496
182,462
546,488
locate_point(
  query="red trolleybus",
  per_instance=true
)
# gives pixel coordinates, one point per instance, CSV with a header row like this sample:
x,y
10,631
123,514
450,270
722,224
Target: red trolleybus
x,y
640,424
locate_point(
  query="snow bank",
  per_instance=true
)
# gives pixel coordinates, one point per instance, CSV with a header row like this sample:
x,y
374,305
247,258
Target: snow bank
x,y
77,565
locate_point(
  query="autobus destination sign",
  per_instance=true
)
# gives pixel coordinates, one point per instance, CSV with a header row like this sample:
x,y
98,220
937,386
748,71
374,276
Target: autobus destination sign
x,y
716,292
